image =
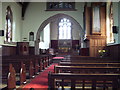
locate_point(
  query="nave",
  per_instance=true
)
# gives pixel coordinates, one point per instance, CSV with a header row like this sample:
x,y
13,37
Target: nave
x,y
83,38
72,72
41,80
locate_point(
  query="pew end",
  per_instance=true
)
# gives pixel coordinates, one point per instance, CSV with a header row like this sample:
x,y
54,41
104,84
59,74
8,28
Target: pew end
x,y
11,83
83,81
22,74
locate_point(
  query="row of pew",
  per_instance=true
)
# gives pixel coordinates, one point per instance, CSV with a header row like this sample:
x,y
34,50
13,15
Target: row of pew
x,y
85,73
18,70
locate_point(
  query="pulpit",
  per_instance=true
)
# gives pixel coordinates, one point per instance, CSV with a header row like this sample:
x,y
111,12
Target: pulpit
x,y
23,48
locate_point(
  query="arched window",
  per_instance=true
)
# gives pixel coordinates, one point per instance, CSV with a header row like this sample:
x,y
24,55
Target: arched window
x,y
65,29
8,25
111,23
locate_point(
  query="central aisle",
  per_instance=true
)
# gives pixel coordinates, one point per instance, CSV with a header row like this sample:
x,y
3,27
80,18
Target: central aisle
x,y
41,81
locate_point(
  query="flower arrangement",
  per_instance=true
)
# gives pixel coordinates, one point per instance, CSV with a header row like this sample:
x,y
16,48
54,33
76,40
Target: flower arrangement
x,y
101,52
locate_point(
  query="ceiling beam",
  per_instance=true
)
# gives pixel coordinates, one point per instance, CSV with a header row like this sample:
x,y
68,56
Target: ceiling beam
x,y
24,6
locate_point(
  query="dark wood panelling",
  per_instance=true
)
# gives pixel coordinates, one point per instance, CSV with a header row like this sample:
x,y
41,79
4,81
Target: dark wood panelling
x,y
64,45
84,51
88,23
113,51
54,44
74,43
31,50
23,48
12,50
8,50
96,43
103,20
97,40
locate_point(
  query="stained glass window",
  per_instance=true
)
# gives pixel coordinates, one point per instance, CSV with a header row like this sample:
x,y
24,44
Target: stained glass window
x,y
111,23
8,25
65,29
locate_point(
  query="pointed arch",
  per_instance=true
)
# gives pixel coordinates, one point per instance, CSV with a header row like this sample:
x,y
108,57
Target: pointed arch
x,y
49,20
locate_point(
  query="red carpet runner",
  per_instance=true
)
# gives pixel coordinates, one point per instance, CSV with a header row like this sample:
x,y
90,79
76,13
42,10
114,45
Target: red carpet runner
x,y
40,82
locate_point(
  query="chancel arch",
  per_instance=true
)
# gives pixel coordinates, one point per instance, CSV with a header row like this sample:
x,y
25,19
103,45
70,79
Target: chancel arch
x,y
56,17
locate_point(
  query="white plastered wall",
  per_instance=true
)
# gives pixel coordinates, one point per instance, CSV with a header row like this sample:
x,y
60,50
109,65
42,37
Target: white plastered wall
x,y
36,14
17,21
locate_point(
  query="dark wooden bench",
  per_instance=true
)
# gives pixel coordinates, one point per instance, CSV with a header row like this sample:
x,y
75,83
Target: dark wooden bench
x,y
87,59
37,60
31,70
86,69
22,74
37,66
5,71
5,67
16,61
11,80
89,64
80,81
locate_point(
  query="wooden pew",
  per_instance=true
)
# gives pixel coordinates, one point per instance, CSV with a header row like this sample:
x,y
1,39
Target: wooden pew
x,y
46,61
31,70
90,61
41,65
22,74
19,67
92,77
36,67
73,79
11,81
5,69
88,64
87,59
16,62
86,69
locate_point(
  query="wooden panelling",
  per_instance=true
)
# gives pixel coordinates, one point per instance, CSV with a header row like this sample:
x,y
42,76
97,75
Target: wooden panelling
x,y
54,44
12,50
74,43
88,20
23,48
64,45
31,50
96,43
114,51
8,50
84,51
103,20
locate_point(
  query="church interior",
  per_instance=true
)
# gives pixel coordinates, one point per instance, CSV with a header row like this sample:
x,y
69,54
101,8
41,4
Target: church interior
x,y
59,45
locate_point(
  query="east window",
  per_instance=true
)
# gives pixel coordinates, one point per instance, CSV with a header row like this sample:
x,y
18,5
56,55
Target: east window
x,y
64,29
